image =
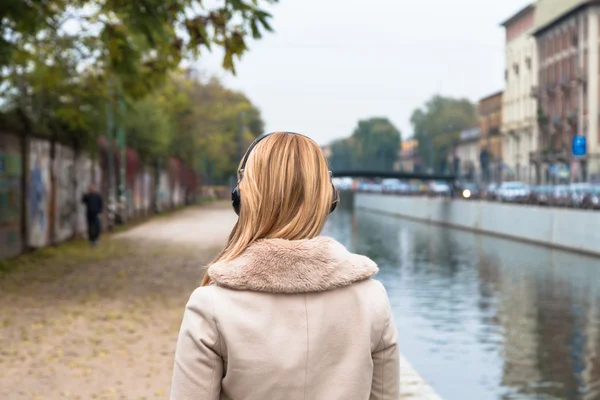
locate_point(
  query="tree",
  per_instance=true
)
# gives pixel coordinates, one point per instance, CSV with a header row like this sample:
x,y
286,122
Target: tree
x,y
374,145
224,123
377,142
200,122
342,155
437,127
150,129
59,57
133,38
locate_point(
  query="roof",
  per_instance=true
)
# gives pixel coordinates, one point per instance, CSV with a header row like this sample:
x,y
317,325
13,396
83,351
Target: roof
x,y
548,12
518,15
499,93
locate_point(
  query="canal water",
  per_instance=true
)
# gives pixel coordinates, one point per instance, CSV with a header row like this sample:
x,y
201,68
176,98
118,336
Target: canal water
x,y
482,317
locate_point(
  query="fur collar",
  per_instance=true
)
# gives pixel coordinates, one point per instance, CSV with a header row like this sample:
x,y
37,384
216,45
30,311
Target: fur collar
x,y
292,266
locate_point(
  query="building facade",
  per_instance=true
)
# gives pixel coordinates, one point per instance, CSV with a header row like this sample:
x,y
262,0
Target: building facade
x,y
408,159
490,124
519,125
567,35
466,153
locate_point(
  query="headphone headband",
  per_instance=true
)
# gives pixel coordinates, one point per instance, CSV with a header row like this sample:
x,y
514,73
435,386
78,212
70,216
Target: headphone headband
x,y
235,193
257,141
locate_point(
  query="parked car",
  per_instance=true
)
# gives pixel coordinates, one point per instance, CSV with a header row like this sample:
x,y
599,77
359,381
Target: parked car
x,y
513,192
437,188
578,192
591,200
394,186
363,186
490,192
469,191
343,183
561,196
540,195
416,189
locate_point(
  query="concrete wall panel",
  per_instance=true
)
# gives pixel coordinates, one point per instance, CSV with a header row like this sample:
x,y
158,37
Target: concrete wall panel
x,y
570,229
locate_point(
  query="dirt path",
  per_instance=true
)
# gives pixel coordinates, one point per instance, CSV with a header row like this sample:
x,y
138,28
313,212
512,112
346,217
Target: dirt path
x,y
101,323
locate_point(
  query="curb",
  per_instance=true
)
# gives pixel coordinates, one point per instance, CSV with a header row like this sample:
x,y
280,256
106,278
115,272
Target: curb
x,y
412,385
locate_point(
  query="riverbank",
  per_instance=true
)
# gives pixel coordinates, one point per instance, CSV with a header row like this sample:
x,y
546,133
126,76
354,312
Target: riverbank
x,y
572,230
101,322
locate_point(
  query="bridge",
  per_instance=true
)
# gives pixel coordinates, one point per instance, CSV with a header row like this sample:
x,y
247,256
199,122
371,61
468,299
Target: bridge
x,y
393,174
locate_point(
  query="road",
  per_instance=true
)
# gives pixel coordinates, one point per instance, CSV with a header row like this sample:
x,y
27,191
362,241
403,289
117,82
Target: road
x,y
80,322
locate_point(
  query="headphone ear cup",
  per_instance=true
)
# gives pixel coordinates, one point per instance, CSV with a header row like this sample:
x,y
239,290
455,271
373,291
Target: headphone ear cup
x,y
336,199
236,200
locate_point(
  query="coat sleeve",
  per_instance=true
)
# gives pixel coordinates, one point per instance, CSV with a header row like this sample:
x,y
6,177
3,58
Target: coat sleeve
x,y
386,362
198,368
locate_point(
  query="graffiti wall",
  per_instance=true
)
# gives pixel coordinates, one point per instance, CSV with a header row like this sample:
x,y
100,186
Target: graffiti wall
x,y
87,173
164,193
56,212
10,196
38,193
65,208
147,191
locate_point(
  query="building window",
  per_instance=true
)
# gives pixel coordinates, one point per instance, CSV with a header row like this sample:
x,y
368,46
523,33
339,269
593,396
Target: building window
x,y
528,63
516,68
506,74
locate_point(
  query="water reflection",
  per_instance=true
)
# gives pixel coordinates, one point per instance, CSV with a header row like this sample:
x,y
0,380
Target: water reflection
x,y
482,317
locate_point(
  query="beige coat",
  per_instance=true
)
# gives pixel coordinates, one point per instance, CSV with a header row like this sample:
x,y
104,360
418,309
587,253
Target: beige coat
x,y
289,320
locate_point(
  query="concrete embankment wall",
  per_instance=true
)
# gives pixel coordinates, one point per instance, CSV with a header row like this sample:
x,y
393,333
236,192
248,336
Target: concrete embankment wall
x,y
575,230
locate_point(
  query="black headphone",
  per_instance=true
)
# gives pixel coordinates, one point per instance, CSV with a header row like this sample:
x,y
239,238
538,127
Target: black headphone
x,y
236,199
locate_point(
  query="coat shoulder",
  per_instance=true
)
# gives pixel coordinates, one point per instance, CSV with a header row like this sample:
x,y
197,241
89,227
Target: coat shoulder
x,y
373,287
202,298
373,292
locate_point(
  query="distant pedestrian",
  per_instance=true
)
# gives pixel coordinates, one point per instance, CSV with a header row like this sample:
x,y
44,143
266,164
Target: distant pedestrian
x,y
94,206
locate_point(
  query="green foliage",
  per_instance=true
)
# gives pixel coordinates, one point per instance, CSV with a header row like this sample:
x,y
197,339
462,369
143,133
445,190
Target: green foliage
x,y
437,127
374,145
223,126
202,123
62,62
133,39
150,128
342,155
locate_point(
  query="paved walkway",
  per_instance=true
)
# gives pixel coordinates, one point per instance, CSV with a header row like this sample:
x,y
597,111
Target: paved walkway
x,y
101,323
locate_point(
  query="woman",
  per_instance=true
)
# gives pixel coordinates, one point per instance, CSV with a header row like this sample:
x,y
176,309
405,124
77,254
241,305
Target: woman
x,y
282,312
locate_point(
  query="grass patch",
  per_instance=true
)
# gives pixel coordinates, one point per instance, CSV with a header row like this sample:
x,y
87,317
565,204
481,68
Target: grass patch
x,y
76,251
206,200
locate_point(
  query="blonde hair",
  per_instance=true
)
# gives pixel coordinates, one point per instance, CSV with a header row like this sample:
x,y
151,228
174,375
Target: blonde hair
x,y
286,193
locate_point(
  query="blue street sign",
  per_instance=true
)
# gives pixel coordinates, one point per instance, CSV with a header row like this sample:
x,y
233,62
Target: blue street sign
x,y
579,146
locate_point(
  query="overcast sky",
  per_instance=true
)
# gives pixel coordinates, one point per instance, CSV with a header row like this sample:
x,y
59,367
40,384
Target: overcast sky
x,y
330,63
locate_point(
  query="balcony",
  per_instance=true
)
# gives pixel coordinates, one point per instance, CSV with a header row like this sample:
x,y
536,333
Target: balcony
x,y
536,157
580,76
562,155
557,120
550,156
573,118
493,131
